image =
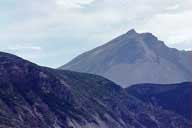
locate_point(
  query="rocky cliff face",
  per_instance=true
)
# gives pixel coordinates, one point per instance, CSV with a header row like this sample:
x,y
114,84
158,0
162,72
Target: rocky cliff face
x,y
134,58
175,97
37,97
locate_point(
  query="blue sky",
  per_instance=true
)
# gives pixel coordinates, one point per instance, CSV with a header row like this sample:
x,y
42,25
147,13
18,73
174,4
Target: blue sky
x,y
52,32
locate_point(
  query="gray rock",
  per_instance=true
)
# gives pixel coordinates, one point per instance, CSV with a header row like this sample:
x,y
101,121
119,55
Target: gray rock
x,y
134,58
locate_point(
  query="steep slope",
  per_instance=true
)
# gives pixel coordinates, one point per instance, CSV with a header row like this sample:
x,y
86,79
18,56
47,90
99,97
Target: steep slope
x,y
37,97
134,58
175,97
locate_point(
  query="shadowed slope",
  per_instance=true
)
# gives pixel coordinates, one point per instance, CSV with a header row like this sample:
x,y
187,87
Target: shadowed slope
x,y
37,97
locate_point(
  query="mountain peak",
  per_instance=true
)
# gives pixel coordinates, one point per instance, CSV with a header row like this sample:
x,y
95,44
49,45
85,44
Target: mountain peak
x,y
149,35
143,36
128,58
132,32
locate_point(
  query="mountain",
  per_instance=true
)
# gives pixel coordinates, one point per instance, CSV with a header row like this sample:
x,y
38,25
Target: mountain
x,y
32,96
175,97
134,58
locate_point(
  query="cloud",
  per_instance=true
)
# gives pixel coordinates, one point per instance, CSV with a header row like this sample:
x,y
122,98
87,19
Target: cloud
x,y
65,28
173,28
183,45
18,48
73,3
24,50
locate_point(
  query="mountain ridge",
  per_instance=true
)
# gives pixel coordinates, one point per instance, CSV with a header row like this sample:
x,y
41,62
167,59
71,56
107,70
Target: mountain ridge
x,y
128,58
174,97
32,96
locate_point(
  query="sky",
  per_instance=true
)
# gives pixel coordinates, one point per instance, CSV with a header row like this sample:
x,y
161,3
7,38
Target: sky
x,y
52,32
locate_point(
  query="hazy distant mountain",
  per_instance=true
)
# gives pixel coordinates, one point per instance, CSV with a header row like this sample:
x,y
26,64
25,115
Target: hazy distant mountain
x,y
37,97
134,58
174,97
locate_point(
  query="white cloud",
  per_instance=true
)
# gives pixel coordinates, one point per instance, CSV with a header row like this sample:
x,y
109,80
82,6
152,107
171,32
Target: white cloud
x,y
65,24
173,28
18,48
24,50
72,3
183,45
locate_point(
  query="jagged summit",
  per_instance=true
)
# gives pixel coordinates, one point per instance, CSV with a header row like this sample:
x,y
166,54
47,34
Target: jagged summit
x,y
134,58
142,36
132,31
